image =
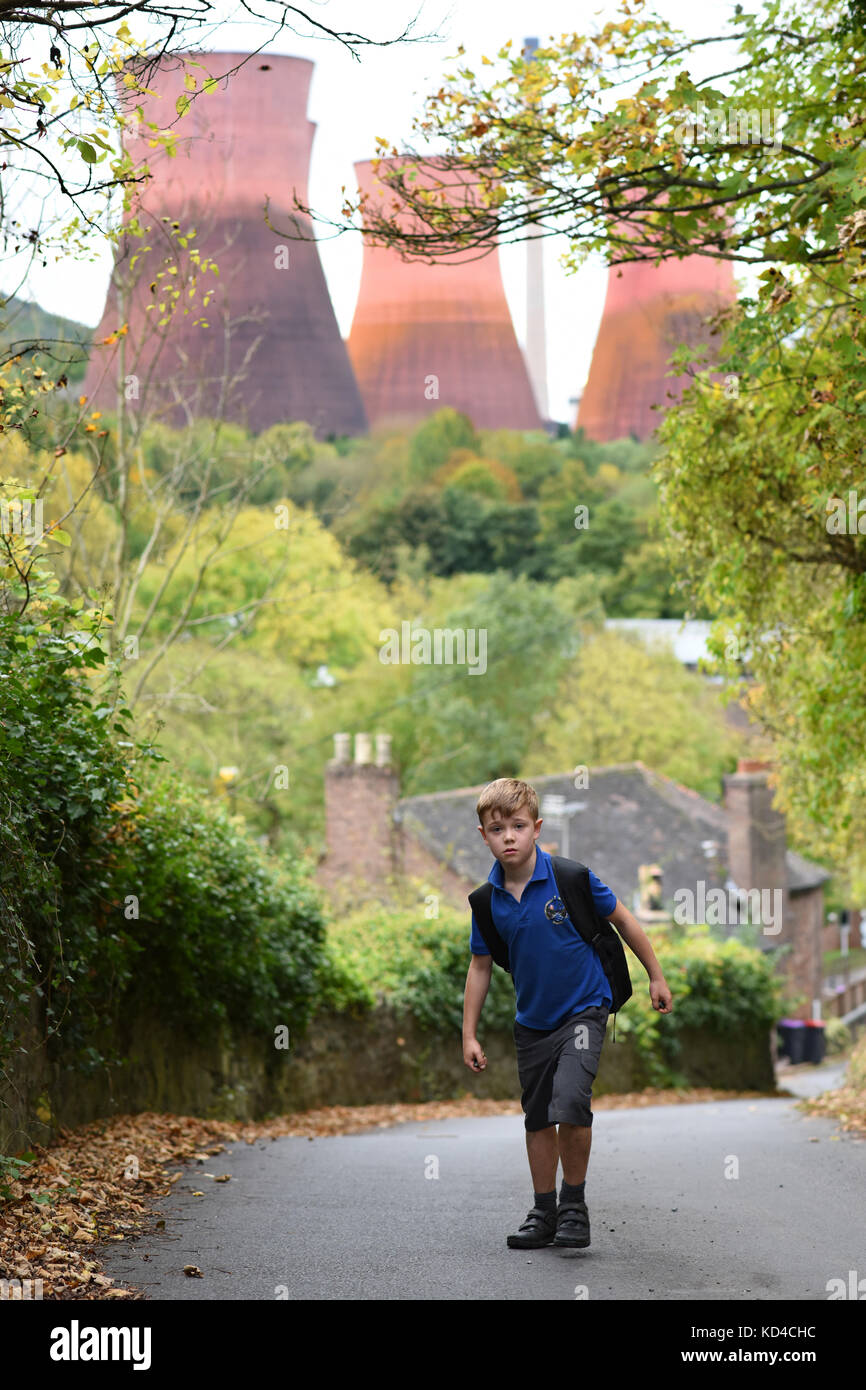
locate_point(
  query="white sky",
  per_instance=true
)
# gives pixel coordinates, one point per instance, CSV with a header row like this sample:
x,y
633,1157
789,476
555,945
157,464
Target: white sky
x,y
352,102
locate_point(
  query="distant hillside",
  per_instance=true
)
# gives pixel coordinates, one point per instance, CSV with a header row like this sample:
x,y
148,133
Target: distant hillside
x,y
65,342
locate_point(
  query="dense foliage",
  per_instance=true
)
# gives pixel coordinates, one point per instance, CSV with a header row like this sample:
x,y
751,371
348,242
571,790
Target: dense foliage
x,y
223,932
107,869
722,987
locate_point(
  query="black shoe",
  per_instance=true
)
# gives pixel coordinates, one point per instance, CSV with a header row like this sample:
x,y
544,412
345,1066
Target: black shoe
x,y
572,1225
538,1229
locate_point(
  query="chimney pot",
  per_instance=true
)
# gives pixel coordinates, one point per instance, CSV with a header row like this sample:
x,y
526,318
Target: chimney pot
x,y
341,748
363,749
383,750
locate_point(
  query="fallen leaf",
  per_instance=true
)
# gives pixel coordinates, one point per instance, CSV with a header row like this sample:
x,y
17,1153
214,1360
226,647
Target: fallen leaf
x,y
192,1272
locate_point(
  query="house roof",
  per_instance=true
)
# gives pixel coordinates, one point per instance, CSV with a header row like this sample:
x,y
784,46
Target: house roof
x,y
631,816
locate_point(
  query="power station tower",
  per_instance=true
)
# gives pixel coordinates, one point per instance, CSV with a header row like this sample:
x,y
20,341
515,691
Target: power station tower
x,y
271,350
536,332
648,312
425,336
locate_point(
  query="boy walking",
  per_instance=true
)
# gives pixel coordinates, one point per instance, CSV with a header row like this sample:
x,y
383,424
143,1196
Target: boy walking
x,y
563,1001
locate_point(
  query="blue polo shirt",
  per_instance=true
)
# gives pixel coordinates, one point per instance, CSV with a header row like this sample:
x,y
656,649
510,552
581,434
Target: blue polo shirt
x,y
556,974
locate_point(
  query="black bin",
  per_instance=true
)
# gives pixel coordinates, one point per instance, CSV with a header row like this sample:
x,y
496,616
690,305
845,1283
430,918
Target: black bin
x,y
792,1038
815,1040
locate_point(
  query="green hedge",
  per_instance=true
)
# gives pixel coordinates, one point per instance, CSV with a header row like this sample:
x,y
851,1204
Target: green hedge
x,y
420,966
721,987
224,933
417,963
120,887
63,770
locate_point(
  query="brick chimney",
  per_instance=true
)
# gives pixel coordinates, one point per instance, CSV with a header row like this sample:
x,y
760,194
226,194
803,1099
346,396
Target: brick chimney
x,y
757,859
360,796
756,832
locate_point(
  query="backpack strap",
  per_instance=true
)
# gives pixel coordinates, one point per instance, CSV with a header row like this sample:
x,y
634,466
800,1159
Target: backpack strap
x,y
572,880
480,901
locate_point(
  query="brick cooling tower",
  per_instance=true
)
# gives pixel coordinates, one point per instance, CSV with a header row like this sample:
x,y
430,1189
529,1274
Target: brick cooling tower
x,y
272,350
425,336
648,311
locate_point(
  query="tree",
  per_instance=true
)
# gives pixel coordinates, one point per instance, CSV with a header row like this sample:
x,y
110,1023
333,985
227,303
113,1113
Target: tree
x,y
157,517
71,75
763,496
434,442
62,137
647,708
457,728
609,139
89,63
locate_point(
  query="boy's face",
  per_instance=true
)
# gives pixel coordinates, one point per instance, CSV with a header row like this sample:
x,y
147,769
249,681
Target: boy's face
x,y
511,838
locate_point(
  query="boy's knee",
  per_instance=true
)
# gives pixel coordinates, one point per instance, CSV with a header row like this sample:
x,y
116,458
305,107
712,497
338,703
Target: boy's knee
x,y
574,1112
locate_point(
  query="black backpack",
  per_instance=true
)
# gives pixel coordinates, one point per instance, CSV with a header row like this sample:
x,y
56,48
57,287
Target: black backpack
x,y
572,881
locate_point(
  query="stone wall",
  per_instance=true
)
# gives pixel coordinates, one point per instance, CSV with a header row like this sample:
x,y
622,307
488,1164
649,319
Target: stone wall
x,y
376,1059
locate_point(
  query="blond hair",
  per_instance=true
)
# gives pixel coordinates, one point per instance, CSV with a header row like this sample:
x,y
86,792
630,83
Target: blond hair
x,y
505,795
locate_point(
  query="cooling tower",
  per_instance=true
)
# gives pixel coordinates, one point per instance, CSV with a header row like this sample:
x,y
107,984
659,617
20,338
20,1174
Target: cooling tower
x,y
425,336
272,350
648,311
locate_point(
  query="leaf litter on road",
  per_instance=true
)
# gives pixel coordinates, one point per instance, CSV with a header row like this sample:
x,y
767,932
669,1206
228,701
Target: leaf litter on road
x,y
100,1181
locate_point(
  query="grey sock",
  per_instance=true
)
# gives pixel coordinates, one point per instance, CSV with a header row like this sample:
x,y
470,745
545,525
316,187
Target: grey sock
x,y
567,1193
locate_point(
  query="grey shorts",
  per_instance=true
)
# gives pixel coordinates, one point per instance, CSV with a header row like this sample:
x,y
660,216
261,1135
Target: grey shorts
x,y
557,1068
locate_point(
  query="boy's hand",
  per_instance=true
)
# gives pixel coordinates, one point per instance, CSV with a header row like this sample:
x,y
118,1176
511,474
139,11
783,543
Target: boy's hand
x,y
660,994
473,1055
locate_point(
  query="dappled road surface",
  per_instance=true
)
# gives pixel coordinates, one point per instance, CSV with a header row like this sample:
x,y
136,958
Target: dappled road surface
x,y
729,1200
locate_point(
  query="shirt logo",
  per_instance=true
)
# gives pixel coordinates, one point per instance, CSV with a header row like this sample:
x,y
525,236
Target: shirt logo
x,y
555,910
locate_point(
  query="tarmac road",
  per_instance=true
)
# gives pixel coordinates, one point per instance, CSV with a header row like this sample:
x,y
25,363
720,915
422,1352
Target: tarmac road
x,y
356,1217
